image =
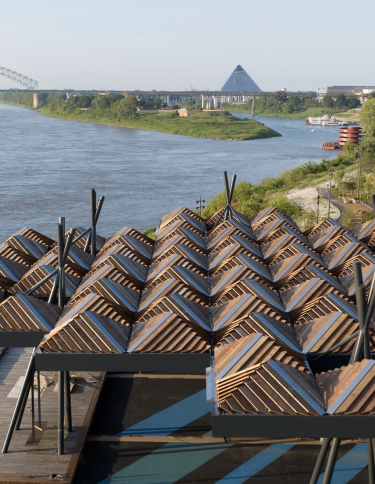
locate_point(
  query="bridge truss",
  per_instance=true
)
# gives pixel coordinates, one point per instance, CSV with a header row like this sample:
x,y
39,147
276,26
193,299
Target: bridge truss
x,y
30,84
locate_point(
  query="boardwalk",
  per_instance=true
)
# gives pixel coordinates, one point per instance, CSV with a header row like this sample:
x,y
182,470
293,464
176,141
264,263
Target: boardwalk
x,y
28,462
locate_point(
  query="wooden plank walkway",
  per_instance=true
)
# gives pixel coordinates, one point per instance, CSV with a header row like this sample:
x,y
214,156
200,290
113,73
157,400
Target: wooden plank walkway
x,y
35,463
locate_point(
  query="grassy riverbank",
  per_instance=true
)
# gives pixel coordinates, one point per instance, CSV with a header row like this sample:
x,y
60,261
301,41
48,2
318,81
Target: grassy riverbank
x,y
117,110
250,199
214,125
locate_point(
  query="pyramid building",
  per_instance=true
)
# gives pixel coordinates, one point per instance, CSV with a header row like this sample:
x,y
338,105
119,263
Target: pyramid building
x,y
240,81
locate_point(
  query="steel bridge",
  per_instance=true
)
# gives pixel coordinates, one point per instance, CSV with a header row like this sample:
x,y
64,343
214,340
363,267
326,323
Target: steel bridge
x,y
27,82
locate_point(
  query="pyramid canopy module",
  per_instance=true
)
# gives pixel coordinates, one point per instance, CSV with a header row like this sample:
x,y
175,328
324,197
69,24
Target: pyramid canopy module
x,y
240,81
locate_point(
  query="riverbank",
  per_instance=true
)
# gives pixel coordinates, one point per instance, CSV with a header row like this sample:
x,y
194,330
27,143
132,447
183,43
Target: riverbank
x,y
314,112
213,125
217,125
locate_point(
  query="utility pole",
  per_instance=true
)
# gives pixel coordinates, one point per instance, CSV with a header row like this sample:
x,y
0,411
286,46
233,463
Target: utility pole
x,y
330,183
317,208
199,205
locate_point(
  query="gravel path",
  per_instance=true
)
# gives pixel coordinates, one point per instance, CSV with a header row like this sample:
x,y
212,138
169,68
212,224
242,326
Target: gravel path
x,y
307,199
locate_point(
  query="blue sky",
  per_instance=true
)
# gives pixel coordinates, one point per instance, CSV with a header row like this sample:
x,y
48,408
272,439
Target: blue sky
x,y
165,44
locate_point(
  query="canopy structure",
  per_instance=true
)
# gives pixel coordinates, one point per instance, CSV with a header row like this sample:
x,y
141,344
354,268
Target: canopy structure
x,y
254,299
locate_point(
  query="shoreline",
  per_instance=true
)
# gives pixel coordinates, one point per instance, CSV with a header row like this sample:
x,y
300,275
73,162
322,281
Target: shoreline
x,y
220,125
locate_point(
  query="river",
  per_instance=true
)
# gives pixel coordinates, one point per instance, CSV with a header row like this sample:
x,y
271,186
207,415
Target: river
x,y
48,165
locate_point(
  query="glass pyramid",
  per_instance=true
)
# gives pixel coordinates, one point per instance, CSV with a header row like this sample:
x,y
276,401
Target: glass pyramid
x,y
240,81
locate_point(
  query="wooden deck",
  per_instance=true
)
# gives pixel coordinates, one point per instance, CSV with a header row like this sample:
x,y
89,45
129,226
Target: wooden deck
x,y
28,461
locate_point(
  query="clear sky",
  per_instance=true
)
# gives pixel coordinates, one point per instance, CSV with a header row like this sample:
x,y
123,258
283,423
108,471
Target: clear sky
x,y
174,44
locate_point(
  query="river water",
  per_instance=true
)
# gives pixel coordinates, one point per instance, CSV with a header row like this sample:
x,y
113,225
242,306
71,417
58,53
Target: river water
x,y
48,165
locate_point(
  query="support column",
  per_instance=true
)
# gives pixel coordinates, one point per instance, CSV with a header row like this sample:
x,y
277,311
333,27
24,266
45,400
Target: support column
x,y
93,228
35,100
68,406
60,245
60,417
21,403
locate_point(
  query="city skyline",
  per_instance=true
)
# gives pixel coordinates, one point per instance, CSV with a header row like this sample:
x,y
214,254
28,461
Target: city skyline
x,y
129,46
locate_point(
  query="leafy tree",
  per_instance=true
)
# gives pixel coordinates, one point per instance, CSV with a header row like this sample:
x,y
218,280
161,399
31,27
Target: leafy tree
x,y
158,103
55,99
327,101
340,101
126,107
100,102
353,102
84,101
371,95
367,117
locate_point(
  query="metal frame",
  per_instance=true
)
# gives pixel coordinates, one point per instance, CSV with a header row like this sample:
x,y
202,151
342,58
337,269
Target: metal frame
x,y
30,84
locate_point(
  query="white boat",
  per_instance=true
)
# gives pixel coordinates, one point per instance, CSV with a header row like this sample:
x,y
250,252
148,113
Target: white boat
x,y
325,120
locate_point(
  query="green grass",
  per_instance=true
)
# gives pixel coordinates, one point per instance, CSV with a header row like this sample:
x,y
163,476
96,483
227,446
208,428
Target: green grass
x,y
298,115
215,125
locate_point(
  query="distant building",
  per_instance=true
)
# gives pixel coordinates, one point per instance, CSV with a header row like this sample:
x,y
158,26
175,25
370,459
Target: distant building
x,y
334,91
240,81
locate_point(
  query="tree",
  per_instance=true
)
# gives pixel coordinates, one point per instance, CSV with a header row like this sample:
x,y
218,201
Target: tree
x,y
100,102
340,101
327,101
353,102
126,107
371,95
367,117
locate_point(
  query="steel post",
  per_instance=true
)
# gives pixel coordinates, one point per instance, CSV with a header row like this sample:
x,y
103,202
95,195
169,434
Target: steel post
x,y
93,228
60,418
39,402
32,409
99,209
68,406
40,283
23,406
319,463
231,190
226,194
60,242
21,399
331,461
88,241
337,346
81,235
68,245
52,296
62,222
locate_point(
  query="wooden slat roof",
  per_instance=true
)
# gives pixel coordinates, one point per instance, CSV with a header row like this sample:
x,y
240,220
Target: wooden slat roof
x,y
22,313
201,284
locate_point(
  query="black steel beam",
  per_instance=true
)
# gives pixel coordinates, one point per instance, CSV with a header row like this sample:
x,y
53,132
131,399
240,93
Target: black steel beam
x,y
21,339
293,426
188,364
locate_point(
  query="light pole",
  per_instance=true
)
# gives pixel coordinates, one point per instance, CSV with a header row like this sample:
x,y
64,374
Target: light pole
x,y
200,206
329,198
317,208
